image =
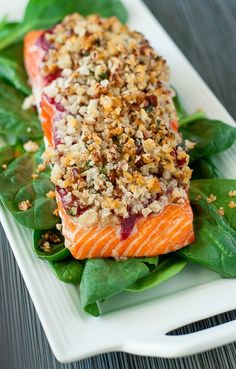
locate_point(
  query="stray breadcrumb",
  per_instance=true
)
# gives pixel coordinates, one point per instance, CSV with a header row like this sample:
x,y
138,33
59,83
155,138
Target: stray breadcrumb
x,y
221,211
189,145
24,205
4,166
232,204
51,195
28,102
198,197
34,175
31,146
211,198
59,226
56,212
40,168
232,193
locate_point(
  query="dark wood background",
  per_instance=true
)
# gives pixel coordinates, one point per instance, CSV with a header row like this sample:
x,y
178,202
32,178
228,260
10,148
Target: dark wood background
x,y
205,30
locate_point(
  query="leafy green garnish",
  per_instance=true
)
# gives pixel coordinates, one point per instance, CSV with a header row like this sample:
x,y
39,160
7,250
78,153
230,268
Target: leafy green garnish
x,y
191,118
12,68
103,278
68,271
45,13
180,110
56,250
215,243
164,271
17,185
15,122
205,168
7,154
210,136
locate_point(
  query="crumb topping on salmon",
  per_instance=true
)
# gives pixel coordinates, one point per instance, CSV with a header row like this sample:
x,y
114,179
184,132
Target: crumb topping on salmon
x,y
117,151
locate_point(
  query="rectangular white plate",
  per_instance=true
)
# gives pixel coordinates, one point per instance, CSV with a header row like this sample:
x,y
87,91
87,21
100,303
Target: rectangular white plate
x,y
135,323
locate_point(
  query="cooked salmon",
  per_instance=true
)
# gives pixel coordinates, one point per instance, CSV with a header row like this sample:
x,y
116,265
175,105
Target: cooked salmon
x,y
130,199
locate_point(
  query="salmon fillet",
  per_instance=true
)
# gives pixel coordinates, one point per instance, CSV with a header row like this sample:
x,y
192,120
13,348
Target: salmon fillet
x,y
146,233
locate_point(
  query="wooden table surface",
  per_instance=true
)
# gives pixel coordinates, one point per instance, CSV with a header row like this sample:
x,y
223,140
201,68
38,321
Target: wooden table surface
x,y
205,30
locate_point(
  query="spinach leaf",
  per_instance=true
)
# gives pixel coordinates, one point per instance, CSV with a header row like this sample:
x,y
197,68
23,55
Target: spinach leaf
x,y
221,189
192,117
180,110
21,124
210,136
205,168
12,68
7,154
183,116
45,13
215,243
49,245
17,185
6,28
164,271
68,271
103,278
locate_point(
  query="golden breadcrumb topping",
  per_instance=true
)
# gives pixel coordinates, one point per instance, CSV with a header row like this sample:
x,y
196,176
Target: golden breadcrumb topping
x,y
117,151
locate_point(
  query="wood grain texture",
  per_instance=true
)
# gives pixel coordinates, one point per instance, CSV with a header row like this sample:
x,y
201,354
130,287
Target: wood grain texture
x,y
205,31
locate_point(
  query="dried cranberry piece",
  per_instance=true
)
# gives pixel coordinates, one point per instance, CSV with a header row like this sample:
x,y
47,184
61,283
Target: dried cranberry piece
x,y
51,77
58,106
127,225
43,43
181,162
75,172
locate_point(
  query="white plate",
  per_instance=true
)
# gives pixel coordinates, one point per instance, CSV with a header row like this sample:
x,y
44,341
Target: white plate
x,y
135,323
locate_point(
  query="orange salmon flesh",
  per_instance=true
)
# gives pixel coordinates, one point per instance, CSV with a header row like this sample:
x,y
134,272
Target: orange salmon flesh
x,y
154,235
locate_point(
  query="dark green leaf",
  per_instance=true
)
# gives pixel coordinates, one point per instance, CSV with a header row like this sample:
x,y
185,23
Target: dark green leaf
x,y
6,28
164,271
55,250
12,68
215,243
191,118
22,124
7,154
68,271
45,13
181,112
92,309
149,260
183,116
103,278
220,188
205,168
17,185
210,136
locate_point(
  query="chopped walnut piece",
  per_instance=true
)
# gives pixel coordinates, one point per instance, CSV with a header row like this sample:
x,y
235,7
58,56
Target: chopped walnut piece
x,y
24,205
4,166
46,246
232,193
